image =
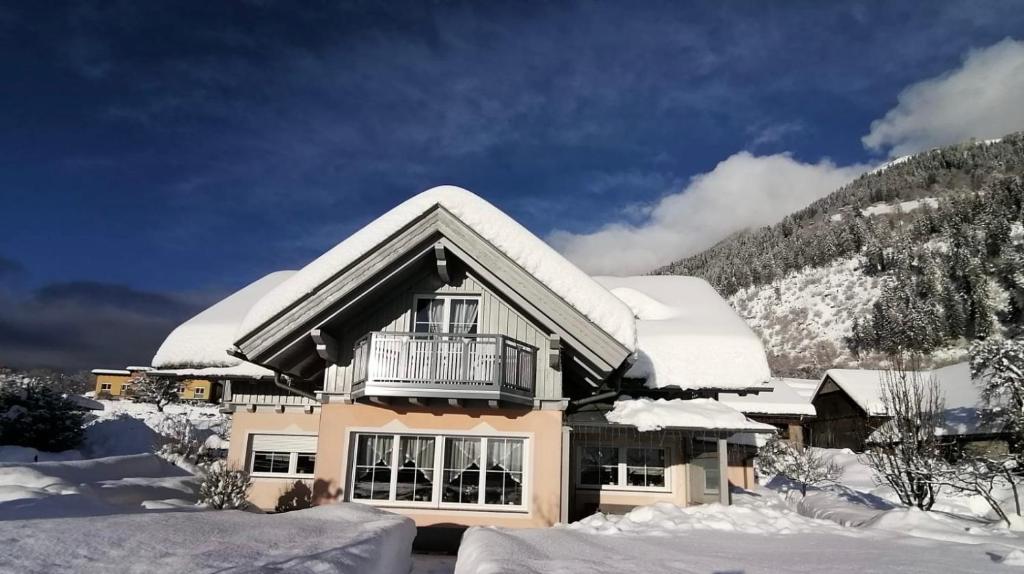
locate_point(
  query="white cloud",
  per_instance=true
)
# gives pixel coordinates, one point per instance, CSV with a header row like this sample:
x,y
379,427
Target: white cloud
x,y
983,98
741,192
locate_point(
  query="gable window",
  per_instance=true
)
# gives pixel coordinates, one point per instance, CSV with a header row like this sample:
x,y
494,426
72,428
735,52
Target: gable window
x,y
446,314
623,467
282,455
439,471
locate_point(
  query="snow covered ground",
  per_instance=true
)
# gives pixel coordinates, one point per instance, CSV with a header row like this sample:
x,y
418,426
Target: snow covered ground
x,y
94,510
853,527
759,533
338,538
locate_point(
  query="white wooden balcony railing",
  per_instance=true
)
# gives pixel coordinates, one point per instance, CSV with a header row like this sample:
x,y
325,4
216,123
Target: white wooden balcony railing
x,y
443,365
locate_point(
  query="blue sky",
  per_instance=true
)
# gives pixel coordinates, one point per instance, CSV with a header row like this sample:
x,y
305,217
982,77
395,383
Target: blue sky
x,y
154,156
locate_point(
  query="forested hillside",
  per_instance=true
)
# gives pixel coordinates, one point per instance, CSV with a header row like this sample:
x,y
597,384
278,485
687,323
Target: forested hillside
x,y
924,255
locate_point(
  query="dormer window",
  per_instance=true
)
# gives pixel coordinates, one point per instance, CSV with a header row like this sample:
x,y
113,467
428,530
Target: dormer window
x,y
446,314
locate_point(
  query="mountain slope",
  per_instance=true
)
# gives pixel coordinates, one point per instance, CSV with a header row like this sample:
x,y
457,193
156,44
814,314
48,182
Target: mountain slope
x,y
924,254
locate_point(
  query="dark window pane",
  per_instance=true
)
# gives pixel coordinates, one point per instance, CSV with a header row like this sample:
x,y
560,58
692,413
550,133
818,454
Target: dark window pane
x,y
306,463
599,466
415,479
461,470
265,461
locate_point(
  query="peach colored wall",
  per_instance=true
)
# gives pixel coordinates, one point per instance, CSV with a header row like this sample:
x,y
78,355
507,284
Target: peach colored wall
x,y
543,428
265,492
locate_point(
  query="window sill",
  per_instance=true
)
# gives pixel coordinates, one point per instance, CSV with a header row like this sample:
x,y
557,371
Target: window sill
x,y
281,475
633,489
443,506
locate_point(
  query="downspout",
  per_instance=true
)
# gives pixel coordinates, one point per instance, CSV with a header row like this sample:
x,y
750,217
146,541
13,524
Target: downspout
x,y
278,383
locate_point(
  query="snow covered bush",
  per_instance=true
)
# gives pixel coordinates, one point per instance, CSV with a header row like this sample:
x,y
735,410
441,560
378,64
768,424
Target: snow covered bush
x,y
160,391
182,440
34,414
906,454
988,478
224,489
803,465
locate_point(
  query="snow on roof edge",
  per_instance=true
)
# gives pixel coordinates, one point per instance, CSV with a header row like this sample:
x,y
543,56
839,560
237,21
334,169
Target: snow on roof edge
x,y
648,414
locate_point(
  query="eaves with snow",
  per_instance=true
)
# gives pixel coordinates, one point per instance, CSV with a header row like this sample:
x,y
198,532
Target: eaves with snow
x,y
784,400
694,414
688,337
199,347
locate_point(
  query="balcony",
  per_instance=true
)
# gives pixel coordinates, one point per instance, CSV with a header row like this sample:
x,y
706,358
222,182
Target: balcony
x,y
444,366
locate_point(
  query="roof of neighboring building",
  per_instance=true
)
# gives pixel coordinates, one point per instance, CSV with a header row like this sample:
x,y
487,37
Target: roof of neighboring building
x,y
506,235
782,400
110,372
202,341
962,395
144,369
688,336
803,387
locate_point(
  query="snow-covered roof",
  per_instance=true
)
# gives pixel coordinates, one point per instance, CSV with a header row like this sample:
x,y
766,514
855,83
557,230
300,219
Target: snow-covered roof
x,y
110,372
962,395
136,368
202,341
802,387
697,414
782,400
504,233
688,336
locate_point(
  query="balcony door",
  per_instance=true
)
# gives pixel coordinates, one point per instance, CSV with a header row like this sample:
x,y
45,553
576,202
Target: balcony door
x,y
446,314
455,356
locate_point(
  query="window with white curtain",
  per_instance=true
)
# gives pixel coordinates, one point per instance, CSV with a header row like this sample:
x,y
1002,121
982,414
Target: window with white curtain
x,y
439,470
622,467
446,314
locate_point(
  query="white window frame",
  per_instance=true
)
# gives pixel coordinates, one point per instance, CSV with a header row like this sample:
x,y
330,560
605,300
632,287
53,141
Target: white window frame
x,y
623,469
446,315
199,393
436,494
292,458
106,387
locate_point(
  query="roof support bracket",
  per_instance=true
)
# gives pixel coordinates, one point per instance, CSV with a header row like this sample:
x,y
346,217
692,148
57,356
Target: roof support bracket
x,y
442,263
326,345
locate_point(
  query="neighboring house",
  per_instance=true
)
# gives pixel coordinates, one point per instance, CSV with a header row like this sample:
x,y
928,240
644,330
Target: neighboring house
x,y
445,363
117,383
788,407
850,408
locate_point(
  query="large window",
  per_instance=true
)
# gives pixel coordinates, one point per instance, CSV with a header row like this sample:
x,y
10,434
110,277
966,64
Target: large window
x,y
282,455
439,471
445,314
622,467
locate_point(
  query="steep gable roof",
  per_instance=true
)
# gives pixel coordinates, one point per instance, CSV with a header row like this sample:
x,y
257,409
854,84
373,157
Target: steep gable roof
x,y
504,233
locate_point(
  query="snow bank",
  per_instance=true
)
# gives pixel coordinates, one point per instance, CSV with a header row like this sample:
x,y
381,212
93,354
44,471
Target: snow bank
x,y
648,415
688,336
663,518
756,535
125,428
782,400
504,233
341,538
203,340
92,487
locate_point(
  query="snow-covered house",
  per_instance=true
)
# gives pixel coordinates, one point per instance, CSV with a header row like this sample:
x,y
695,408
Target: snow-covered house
x,y
850,407
445,363
116,383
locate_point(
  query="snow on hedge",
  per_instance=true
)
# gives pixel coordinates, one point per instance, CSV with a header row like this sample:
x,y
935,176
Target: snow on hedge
x,y
503,232
782,400
688,336
647,415
203,340
338,538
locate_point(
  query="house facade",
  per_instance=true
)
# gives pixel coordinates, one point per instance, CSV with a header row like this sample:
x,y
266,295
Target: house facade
x,y
445,363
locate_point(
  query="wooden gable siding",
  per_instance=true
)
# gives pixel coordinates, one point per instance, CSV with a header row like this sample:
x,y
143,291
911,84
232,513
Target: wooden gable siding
x,y
265,392
394,314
